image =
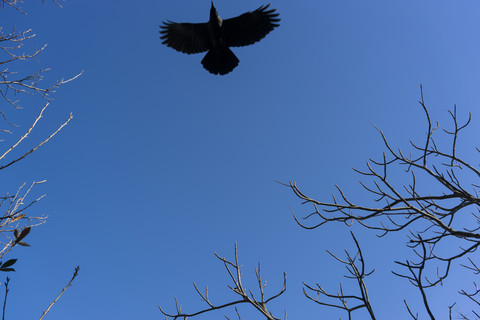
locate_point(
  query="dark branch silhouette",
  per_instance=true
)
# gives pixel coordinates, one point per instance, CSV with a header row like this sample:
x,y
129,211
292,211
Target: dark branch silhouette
x,y
431,218
245,295
355,265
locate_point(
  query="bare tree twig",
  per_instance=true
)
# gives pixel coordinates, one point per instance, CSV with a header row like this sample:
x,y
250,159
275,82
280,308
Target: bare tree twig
x,y
5,298
26,135
15,4
60,294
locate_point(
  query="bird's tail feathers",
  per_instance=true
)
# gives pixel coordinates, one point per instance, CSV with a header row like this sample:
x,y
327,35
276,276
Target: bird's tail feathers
x,y
220,62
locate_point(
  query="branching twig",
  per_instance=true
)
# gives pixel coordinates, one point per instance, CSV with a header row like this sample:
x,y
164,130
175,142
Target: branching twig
x,y
356,268
246,296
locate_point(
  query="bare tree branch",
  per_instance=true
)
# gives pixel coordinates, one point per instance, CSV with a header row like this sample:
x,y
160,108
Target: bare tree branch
x,y
60,294
5,298
356,268
246,296
26,135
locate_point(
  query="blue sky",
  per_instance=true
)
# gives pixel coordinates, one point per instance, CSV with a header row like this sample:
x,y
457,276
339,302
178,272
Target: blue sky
x,y
164,163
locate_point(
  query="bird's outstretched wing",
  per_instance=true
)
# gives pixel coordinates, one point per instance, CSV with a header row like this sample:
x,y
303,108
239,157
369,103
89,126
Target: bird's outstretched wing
x,y
186,37
250,27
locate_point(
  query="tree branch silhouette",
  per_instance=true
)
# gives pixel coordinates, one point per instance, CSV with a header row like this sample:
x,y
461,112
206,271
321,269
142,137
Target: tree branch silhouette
x,y
246,296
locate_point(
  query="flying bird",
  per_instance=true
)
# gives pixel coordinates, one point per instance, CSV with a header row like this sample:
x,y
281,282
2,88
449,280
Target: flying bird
x,y
217,35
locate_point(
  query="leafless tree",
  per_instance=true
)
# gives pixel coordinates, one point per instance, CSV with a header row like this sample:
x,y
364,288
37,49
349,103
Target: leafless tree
x,y
438,205
430,218
15,222
13,85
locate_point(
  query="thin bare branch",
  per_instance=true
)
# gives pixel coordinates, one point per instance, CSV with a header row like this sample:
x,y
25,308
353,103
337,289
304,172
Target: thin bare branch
x,y
75,274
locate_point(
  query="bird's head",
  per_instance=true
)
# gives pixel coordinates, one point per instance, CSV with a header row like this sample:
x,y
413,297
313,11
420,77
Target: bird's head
x,y
213,13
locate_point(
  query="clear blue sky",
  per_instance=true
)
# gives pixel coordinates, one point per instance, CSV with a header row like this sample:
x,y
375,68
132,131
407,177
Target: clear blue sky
x,y
164,163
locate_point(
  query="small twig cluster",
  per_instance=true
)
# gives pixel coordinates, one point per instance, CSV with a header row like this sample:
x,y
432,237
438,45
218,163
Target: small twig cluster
x,y
11,83
10,45
15,4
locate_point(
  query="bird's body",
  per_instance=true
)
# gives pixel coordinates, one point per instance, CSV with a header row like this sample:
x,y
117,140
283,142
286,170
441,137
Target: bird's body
x,y
217,35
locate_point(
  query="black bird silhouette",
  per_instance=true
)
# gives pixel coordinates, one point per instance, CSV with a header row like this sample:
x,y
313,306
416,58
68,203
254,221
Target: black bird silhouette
x,y
217,35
